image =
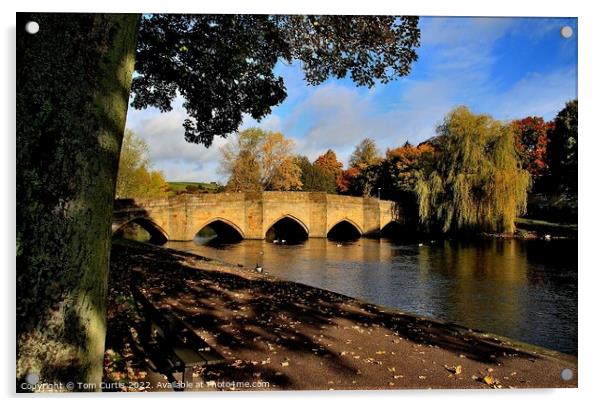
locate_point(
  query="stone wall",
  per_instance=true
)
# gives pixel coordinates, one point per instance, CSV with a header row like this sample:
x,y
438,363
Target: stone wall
x,y
252,214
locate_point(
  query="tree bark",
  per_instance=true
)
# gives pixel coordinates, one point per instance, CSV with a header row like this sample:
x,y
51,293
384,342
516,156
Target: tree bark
x,y
73,85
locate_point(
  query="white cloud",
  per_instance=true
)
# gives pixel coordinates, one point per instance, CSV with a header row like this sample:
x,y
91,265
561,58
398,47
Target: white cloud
x,y
270,123
336,117
169,151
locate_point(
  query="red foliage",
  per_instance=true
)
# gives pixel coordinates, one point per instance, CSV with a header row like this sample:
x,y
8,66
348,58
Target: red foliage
x,y
346,178
532,143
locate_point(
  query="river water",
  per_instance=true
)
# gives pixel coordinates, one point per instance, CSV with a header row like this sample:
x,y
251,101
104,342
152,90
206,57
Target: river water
x,y
526,290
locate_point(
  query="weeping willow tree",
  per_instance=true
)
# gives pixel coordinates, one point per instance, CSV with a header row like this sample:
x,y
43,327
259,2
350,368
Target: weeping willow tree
x,y
475,183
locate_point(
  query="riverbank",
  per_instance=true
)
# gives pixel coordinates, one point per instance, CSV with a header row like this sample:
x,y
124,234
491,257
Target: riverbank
x,y
531,229
542,228
287,335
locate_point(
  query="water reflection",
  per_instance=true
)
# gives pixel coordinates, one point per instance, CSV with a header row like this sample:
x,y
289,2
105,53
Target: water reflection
x,y
521,289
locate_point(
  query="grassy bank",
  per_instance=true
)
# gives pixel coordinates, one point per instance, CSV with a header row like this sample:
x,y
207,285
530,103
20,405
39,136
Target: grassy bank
x,y
542,227
194,187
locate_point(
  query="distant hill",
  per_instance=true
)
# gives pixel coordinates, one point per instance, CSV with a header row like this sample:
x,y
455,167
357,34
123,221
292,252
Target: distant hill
x,y
194,187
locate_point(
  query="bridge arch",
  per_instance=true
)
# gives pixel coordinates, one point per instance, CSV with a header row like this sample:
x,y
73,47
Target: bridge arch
x,y
157,233
287,227
223,228
393,229
344,229
252,215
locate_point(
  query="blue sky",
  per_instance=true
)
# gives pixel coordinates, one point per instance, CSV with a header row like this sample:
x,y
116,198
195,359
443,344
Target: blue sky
x,y
507,67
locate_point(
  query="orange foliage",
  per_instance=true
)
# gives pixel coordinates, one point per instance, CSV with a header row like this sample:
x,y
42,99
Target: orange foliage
x,y
345,179
407,155
329,162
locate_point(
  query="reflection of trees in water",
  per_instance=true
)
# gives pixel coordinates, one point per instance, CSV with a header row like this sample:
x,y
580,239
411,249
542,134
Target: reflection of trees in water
x,y
485,283
522,289
557,259
495,285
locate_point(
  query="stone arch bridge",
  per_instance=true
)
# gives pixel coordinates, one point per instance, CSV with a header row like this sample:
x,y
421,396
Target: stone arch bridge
x,y
254,215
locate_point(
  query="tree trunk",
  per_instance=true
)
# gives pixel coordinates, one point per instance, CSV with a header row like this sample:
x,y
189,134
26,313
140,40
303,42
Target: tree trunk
x,y
73,85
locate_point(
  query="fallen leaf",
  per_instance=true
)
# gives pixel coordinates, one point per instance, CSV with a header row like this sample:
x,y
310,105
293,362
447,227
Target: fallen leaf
x,y
455,369
488,380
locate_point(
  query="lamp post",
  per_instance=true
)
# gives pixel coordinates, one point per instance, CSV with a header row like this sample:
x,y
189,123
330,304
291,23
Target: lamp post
x,y
378,193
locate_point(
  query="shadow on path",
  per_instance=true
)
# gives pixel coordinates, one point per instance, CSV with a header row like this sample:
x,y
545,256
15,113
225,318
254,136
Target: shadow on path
x,y
261,324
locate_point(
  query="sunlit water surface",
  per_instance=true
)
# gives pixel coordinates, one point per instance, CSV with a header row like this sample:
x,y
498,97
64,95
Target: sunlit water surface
x,y
525,290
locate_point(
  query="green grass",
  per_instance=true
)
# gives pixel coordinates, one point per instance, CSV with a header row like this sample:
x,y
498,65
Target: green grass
x,y
543,223
203,187
179,186
547,227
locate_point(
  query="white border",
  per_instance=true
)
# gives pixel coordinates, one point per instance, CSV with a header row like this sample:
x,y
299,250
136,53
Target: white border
x,y
590,281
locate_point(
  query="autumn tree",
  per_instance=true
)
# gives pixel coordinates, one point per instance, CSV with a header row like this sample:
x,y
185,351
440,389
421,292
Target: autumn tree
x,y
399,170
278,167
330,163
394,178
365,154
476,183
134,154
73,85
134,178
532,144
240,162
361,177
244,172
260,160
314,177
360,181
347,181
